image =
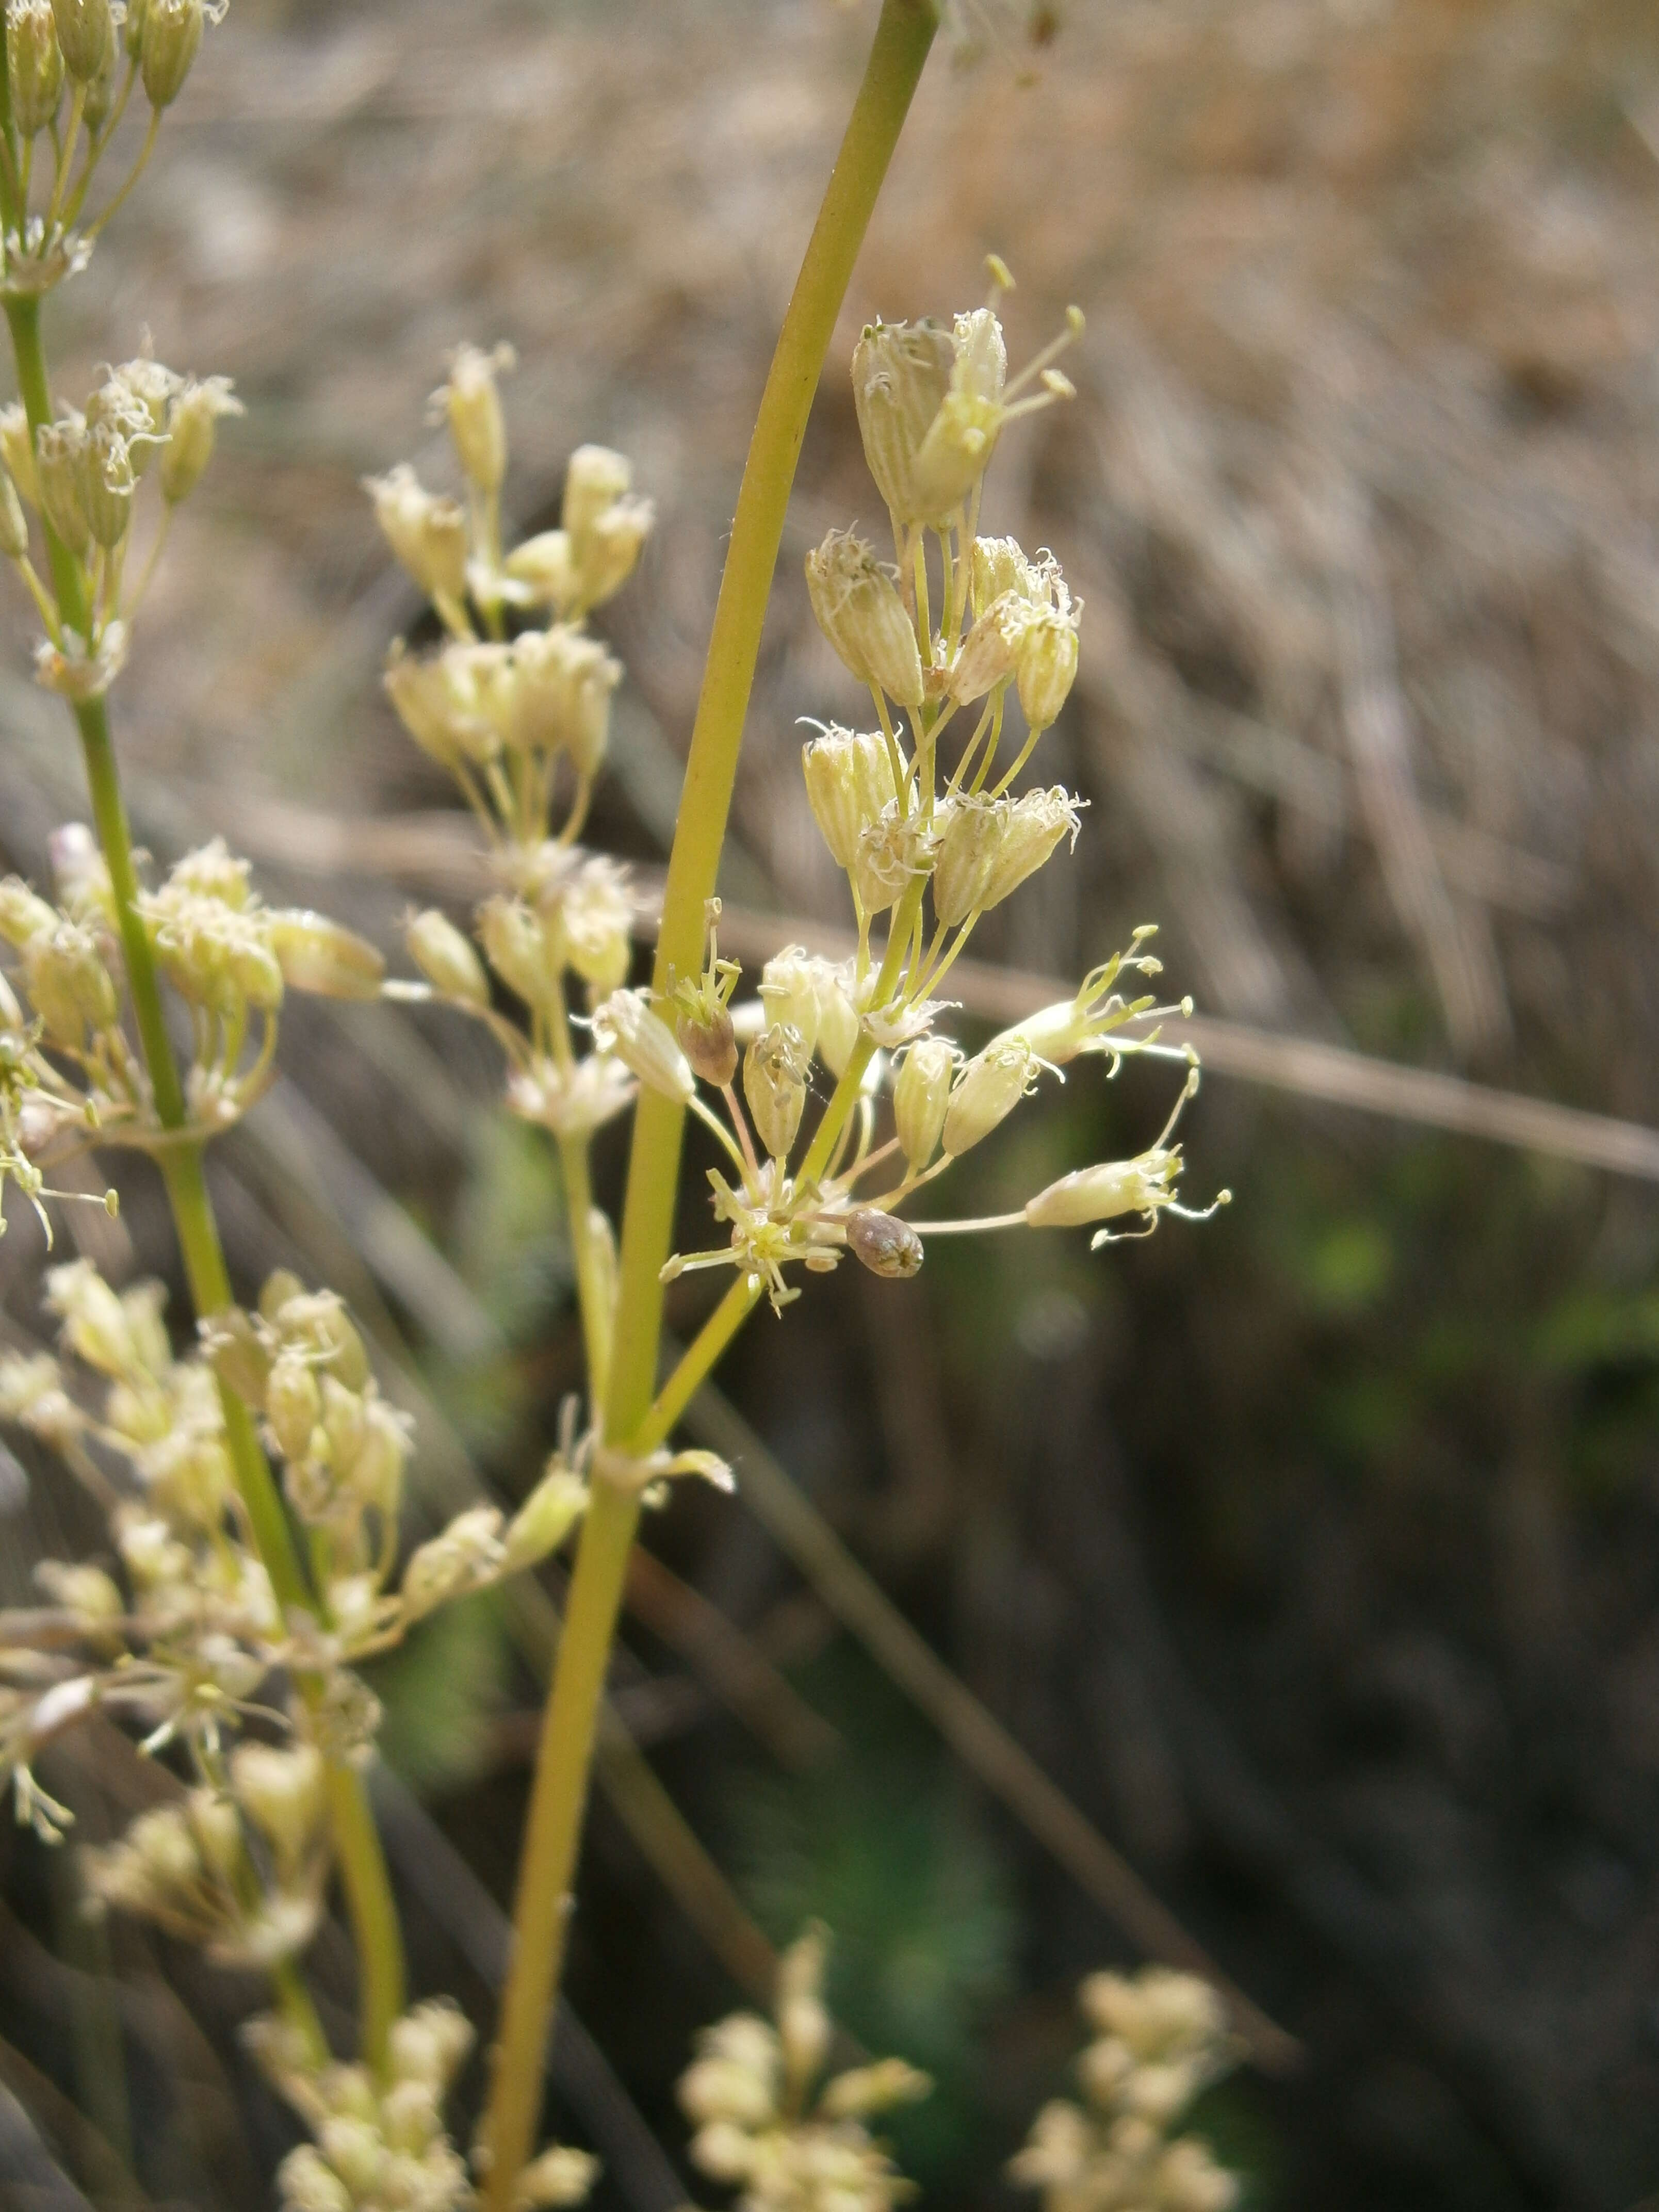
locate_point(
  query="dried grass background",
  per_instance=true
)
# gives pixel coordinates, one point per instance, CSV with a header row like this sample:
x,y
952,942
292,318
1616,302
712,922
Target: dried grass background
x,y
1315,1553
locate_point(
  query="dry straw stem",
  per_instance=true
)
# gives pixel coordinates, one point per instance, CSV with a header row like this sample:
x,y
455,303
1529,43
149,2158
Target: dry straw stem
x,y
903,36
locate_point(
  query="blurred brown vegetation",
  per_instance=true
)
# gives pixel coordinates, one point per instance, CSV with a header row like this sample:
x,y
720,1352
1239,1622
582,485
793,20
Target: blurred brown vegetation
x,y
1314,1554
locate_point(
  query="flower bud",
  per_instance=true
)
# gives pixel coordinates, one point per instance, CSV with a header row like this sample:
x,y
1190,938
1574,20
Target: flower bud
x,y
546,567
237,1355
345,1423
986,657
307,2182
900,374
169,40
281,1793
467,1554
961,436
517,945
34,64
886,1245
864,2089
101,91
354,2149
608,551
13,527
710,1043
1046,661
192,430
216,1830
317,955
473,405
893,851
17,450
789,993
838,1019
85,1592
997,565
68,983
715,2087
86,37
294,1405
987,1091
596,913
59,476
625,1026
774,1084
80,874
447,958
595,478
1105,1192
23,913
1188,2179
803,2023
161,1842
849,780
921,1095
106,485
428,533
546,1517
559,2177
444,702
562,682
860,612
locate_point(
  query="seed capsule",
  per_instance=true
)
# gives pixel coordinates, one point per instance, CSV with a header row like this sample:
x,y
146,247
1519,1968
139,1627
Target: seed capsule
x,y
900,374
86,37
428,533
169,41
474,408
316,954
445,958
849,780
775,1086
13,527
986,1092
59,475
625,1026
921,1095
595,477
192,432
860,612
710,1043
886,1245
34,64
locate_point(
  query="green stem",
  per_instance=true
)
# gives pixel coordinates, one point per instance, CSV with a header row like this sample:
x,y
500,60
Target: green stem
x,y
558,1796
362,1865
593,1292
696,1363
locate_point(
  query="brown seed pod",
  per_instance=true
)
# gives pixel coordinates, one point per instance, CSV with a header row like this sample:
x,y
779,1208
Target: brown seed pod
x,y
886,1245
711,1045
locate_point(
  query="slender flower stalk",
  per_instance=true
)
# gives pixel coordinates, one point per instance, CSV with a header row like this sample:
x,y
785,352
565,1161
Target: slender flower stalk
x,y
363,1863
558,1796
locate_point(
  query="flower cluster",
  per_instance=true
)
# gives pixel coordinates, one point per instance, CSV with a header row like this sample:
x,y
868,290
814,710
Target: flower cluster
x,y
928,845
71,69
927,848
765,2118
380,2146
81,474
191,1638
522,723
1157,2041
71,1071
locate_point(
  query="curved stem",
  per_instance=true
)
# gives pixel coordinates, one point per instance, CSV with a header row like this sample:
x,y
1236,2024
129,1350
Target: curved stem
x,y
362,1864
903,36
